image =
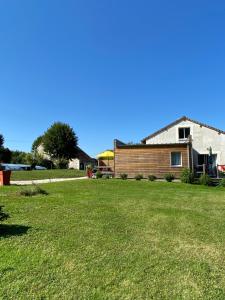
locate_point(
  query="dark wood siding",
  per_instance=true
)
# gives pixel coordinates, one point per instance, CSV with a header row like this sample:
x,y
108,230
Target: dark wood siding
x,y
146,160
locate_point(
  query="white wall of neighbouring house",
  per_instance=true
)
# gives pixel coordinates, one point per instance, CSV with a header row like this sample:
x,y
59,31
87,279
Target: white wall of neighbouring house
x,y
40,150
74,164
202,138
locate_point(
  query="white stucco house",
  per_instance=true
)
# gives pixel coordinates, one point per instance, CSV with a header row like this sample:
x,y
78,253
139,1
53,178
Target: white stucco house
x,y
201,136
80,162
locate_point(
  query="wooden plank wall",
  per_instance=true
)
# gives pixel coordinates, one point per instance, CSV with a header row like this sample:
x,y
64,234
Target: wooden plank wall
x,y
148,160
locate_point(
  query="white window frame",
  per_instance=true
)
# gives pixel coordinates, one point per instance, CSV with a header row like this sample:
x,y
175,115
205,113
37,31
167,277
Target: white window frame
x,y
184,127
181,159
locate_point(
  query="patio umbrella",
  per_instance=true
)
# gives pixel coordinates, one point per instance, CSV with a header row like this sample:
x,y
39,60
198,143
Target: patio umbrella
x,y
108,154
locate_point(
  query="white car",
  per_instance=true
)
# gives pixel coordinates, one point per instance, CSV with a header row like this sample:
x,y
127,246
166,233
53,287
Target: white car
x,y
40,168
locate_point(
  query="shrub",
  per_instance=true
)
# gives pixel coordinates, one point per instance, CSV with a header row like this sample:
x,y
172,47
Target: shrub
x,y
205,179
37,159
89,167
18,157
62,163
32,191
221,174
138,177
98,174
222,182
169,177
3,216
187,176
47,163
123,176
41,191
151,177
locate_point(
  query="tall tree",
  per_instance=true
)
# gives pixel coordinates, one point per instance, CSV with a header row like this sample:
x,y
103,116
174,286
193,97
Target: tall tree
x,y
1,140
60,141
37,143
19,157
5,153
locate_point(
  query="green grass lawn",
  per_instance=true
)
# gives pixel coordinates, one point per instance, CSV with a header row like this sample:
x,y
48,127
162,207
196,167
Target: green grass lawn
x,y
46,174
113,239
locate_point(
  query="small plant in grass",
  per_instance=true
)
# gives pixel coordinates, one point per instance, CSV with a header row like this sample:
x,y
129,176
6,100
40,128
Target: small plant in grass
x,y
139,177
222,183
123,176
169,177
221,174
98,174
187,176
205,179
3,216
151,177
32,191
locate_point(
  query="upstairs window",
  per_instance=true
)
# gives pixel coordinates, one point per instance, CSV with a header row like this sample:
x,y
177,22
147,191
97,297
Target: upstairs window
x,y
176,159
184,133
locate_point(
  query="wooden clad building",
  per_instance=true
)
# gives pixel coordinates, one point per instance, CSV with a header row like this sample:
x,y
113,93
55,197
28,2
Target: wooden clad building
x,y
154,159
184,143
107,163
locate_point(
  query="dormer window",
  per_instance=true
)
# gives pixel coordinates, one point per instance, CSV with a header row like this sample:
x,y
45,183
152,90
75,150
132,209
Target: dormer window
x,y
184,133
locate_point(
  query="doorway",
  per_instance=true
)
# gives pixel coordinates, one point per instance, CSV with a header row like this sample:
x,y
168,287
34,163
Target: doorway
x,y
210,163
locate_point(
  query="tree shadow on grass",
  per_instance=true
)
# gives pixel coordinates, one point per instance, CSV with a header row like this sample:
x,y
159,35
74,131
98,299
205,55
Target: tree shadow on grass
x,y
7,230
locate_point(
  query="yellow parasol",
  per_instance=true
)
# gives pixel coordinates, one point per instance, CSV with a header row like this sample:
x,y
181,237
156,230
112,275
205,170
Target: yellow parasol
x,y
108,154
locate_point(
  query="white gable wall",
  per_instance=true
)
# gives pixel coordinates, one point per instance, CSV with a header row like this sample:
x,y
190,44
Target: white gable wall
x,y
202,138
74,164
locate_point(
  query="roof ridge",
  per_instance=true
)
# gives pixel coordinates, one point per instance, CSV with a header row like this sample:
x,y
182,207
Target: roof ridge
x,y
184,118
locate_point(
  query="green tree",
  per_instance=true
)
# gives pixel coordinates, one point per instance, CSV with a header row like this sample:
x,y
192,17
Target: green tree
x,y
60,141
36,159
37,143
1,140
5,153
19,157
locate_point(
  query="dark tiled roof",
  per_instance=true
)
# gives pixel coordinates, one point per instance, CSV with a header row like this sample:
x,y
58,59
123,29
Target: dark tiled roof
x,y
82,155
184,118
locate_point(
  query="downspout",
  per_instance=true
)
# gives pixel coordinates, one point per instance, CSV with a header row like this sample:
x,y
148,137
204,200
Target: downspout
x,y
190,154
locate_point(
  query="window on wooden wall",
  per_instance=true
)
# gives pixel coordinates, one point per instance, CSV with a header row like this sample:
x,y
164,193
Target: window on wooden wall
x,y
176,159
184,133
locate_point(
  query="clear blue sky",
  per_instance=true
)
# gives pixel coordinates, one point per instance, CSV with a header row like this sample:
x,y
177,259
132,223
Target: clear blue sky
x,y
109,68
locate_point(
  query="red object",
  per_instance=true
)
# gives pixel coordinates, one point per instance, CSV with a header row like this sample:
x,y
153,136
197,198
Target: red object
x,y
221,168
89,173
5,177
